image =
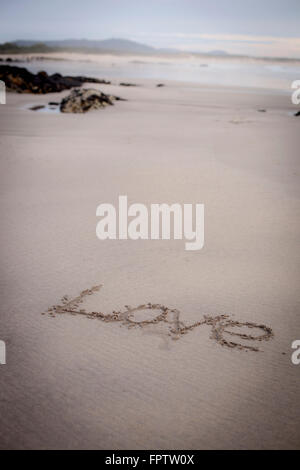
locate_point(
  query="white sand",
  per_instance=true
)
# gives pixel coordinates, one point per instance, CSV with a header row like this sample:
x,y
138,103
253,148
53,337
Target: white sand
x,y
71,382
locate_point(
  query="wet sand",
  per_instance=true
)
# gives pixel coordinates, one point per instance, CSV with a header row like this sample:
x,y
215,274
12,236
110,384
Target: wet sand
x,y
74,382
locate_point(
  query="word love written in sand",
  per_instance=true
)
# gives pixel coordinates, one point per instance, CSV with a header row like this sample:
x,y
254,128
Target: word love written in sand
x,y
221,325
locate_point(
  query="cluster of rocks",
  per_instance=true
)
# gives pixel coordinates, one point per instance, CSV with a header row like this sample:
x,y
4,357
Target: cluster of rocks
x,y
83,100
22,81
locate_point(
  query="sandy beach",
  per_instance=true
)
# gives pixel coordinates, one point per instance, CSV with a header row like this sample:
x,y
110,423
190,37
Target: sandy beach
x,y
71,382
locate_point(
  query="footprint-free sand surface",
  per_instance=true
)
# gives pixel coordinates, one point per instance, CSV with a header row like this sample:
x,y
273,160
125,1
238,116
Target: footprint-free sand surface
x,y
74,382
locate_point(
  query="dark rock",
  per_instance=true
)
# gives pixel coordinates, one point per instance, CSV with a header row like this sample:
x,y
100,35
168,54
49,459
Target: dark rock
x,y
262,110
53,103
81,101
297,113
42,75
91,80
127,84
22,81
37,107
10,59
159,85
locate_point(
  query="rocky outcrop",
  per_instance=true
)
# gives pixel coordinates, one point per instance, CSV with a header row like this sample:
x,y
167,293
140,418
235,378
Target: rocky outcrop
x,y
83,100
22,81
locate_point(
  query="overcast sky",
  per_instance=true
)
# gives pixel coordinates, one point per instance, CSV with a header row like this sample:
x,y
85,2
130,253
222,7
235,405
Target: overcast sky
x,y
256,27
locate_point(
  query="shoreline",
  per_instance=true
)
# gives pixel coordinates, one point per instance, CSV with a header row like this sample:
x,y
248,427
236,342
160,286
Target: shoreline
x,y
129,69
181,57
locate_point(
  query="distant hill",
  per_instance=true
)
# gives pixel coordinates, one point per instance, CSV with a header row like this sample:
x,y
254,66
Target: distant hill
x,y
34,47
115,45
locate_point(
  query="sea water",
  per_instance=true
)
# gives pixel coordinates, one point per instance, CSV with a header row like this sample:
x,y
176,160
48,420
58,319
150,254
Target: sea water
x,y
207,71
